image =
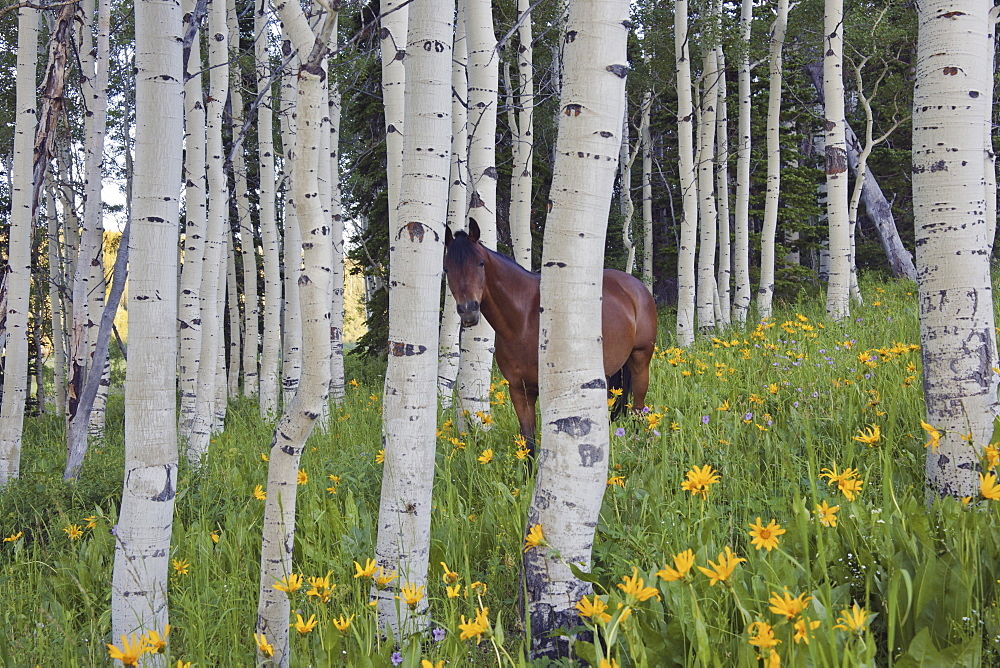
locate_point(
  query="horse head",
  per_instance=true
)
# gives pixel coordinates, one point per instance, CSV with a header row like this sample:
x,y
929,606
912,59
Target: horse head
x,y
465,266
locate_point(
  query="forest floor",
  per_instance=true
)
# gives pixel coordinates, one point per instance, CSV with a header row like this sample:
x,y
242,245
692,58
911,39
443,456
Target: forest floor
x,y
813,425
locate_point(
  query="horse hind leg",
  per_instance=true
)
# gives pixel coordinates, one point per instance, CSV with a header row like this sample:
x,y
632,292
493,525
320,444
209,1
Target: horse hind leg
x,y
620,380
524,407
638,364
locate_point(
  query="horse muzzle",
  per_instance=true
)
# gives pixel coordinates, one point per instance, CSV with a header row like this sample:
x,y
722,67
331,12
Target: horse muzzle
x,y
469,313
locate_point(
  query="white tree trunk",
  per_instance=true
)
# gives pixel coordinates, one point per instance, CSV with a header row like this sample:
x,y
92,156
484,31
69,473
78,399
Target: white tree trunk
x,y
214,275
688,179
392,38
458,205
270,354
838,305
958,341
196,220
231,299
301,412
708,220
521,179
477,342
573,460
142,550
765,291
18,276
291,250
626,156
337,239
56,278
724,271
647,191
409,406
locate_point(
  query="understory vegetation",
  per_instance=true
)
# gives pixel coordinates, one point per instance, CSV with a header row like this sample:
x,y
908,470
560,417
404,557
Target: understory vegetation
x,y
813,434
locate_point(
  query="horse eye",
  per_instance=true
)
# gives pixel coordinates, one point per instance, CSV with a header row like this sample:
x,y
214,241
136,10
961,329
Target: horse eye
x,y
482,263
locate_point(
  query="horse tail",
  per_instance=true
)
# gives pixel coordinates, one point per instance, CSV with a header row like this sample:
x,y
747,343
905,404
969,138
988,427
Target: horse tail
x,y
620,380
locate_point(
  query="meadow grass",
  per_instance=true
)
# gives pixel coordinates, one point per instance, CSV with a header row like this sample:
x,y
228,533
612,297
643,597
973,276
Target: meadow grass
x,y
769,408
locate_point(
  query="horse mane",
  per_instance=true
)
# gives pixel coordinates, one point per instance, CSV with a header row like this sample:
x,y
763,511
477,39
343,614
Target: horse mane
x,y
463,252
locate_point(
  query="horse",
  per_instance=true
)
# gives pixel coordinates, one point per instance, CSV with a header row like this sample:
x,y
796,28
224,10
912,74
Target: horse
x,y
507,295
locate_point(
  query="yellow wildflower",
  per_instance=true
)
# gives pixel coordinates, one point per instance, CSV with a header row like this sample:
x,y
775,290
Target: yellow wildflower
x,y
288,584
259,493
827,514
343,623
854,620
380,457
992,453
304,627
847,481
181,566
366,572
534,538
617,480
154,643
14,536
130,652
870,436
765,536
487,456
762,635
449,576
263,457
700,479
475,628
721,571
383,579
411,594
478,587
634,587
934,434
91,521
802,628
73,531
263,646
988,486
321,587
682,565
595,609
453,591
303,477
784,604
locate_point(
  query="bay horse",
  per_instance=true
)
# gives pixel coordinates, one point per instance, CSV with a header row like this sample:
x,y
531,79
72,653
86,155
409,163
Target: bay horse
x,y
507,295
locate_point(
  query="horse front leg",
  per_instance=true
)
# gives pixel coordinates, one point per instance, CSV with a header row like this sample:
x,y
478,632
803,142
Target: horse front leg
x,y
524,407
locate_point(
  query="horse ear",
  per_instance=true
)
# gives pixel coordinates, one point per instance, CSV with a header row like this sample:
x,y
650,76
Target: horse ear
x,y
447,236
473,230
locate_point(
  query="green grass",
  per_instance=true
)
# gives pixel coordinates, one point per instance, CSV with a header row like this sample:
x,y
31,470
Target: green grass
x,y
797,392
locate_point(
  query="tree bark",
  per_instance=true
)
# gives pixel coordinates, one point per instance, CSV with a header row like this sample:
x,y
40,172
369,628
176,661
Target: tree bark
x,y
647,191
876,205
300,414
409,406
708,213
520,210
688,177
18,269
573,459
724,271
765,291
142,549
958,340
838,304
476,361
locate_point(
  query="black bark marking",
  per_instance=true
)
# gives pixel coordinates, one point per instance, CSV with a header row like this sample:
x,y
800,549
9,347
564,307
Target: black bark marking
x,y
620,71
571,36
573,109
836,160
168,492
596,384
555,264
574,426
590,454
400,349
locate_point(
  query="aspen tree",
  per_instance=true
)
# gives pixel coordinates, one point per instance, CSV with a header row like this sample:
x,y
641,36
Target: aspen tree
x,y
573,459
88,280
458,204
838,305
709,221
524,141
301,412
409,414
213,278
626,156
270,355
55,301
765,291
291,249
741,218
724,271
958,340
195,221
647,190
476,361
231,299
142,534
392,40
18,276
337,241
688,178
